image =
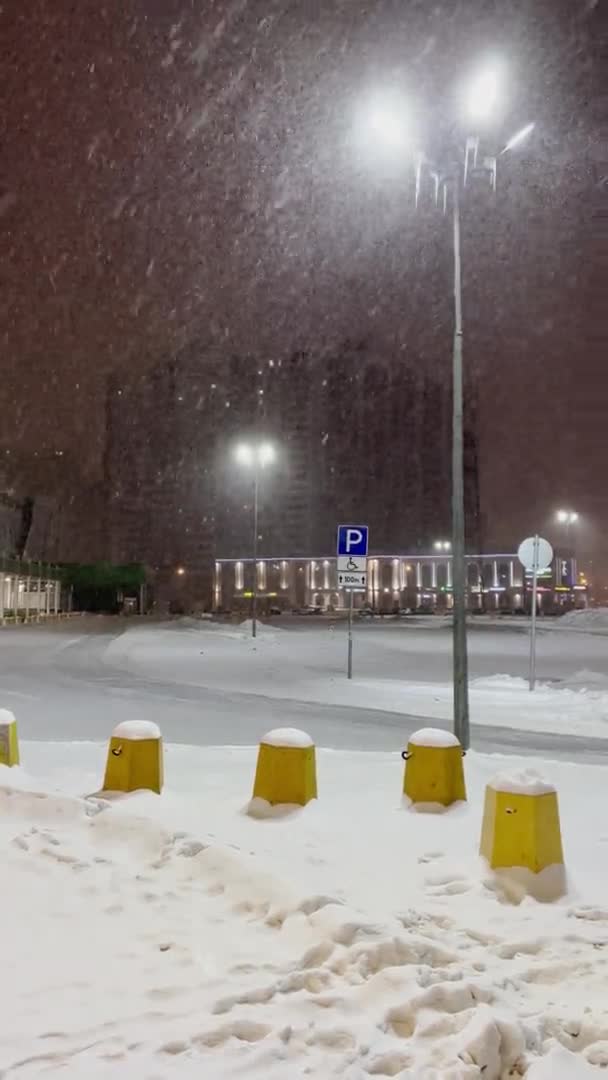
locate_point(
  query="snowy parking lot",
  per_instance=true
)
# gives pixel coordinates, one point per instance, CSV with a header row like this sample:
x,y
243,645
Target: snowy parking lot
x,y
177,937
206,683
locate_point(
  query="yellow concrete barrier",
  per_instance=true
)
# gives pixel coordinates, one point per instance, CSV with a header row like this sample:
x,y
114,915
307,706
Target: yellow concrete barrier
x,y
135,758
286,772
434,771
9,740
521,826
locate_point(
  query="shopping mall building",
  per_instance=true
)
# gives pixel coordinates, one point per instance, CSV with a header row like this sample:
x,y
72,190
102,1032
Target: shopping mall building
x,y
496,582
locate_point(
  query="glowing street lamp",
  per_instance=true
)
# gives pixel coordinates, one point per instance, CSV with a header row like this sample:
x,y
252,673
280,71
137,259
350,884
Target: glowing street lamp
x,y
388,126
482,93
567,517
255,456
442,545
382,120
257,453
385,123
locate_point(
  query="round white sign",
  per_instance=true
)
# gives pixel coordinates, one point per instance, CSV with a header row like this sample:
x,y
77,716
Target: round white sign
x,y
534,553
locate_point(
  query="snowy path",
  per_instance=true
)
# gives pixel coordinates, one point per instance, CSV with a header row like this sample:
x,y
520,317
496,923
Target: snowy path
x,y
76,680
175,938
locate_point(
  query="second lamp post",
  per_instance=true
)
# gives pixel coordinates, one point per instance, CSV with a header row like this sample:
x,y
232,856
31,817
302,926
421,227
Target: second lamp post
x,y
256,456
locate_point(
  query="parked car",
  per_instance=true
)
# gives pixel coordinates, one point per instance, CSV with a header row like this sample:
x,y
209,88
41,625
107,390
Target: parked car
x,y
366,612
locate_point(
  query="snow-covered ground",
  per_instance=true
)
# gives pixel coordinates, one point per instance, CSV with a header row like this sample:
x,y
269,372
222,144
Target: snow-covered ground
x,y
210,684
397,670
587,619
175,936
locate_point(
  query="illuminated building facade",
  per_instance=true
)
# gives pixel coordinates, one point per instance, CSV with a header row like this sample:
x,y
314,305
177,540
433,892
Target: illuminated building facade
x,y
414,582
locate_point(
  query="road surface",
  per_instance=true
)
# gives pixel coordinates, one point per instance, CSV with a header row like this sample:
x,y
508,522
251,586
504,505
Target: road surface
x,y
58,681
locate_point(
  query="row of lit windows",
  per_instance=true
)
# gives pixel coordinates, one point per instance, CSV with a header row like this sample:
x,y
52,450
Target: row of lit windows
x,y
393,575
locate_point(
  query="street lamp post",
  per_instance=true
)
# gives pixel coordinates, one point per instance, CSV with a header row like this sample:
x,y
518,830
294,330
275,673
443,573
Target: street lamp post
x,y
482,97
256,456
459,600
256,514
568,518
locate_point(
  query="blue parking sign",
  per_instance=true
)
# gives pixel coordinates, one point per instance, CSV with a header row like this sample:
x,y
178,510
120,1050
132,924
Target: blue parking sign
x,y
352,540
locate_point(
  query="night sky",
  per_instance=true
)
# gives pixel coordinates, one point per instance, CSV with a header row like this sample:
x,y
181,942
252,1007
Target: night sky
x,y
176,171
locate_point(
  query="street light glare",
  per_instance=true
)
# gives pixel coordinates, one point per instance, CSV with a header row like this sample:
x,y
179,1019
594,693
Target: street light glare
x,y
483,93
386,126
244,454
567,517
266,453
382,124
248,453
519,137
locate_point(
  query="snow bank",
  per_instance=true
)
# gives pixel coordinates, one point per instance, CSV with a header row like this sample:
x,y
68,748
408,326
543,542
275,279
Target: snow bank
x,y
433,737
585,619
562,1065
499,682
522,782
136,730
287,737
585,679
179,938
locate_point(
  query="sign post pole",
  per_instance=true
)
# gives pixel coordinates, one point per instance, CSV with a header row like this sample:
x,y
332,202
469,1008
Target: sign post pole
x,y
535,554
352,573
350,634
533,623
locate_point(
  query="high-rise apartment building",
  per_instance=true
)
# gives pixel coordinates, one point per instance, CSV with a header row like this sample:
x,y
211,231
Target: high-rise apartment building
x,y
357,437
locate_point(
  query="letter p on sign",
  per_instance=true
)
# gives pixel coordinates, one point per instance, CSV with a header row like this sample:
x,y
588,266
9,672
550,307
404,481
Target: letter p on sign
x,y
352,540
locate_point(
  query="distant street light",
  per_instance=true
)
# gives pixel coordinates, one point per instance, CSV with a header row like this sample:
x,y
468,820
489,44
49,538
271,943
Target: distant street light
x,y
442,545
568,518
180,571
257,456
480,99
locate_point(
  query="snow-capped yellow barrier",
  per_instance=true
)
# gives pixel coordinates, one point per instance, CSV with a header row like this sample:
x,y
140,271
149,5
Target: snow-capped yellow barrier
x,y
286,771
135,757
521,823
434,771
9,740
